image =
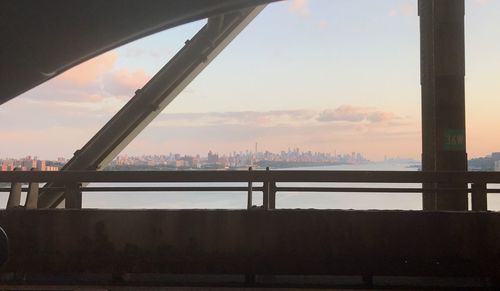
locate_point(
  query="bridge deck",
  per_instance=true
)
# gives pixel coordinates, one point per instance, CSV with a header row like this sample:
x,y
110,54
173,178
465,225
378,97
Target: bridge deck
x,y
274,242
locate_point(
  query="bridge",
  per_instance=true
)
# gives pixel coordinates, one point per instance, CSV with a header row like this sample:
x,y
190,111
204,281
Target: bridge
x,y
54,243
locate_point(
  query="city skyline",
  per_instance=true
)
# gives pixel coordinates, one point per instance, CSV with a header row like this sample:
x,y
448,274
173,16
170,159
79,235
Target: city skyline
x,y
205,154
291,157
322,75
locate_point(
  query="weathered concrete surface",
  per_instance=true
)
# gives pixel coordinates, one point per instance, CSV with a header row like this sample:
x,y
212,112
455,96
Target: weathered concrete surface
x,y
253,242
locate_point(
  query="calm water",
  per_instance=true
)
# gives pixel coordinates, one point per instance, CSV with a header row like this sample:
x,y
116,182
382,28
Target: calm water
x,y
237,200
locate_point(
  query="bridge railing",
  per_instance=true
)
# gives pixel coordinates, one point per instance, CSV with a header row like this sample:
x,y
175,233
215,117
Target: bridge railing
x,y
73,183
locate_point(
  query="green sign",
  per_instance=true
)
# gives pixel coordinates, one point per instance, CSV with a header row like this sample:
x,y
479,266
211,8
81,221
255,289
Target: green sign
x,y
454,140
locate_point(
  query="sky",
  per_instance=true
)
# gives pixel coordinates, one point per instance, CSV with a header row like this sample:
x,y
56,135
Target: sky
x,y
321,75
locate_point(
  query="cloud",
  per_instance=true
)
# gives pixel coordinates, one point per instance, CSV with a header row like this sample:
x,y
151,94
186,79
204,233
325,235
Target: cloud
x,y
300,7
96,80
90,70
262,118
405,9
380,116
343,113
358,117
107,105
348,113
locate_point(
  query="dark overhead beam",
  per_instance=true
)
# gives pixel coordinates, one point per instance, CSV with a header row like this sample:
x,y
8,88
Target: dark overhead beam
x,y
41,39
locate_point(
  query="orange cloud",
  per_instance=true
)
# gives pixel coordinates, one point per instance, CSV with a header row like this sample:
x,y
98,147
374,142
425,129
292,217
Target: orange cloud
x,y
406,9
300,7
348,113
94,80
91,69
380,116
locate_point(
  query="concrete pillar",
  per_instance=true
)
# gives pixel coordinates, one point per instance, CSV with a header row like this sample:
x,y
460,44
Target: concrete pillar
x,y
15,193
443,99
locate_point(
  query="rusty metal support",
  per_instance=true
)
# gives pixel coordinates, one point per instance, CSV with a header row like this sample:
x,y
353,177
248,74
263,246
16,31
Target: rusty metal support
x,y
15,193
479,197
250,192
443,98
272,195
73,195
149,101
254,176
266,190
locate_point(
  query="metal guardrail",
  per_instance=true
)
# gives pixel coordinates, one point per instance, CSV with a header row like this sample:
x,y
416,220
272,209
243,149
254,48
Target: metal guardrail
x,y
442,181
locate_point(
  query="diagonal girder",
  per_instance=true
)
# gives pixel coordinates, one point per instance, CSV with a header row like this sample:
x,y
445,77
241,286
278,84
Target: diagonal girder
x,y
149,101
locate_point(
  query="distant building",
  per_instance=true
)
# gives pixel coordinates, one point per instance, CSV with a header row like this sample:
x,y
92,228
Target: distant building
x,y
180,163
223,161
7,166
28,164
196,162
497,166
41,165
212,158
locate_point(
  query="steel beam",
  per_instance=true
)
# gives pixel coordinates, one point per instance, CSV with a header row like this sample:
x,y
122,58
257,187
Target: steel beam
x,y
443,98
149,101
479,197
253,176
